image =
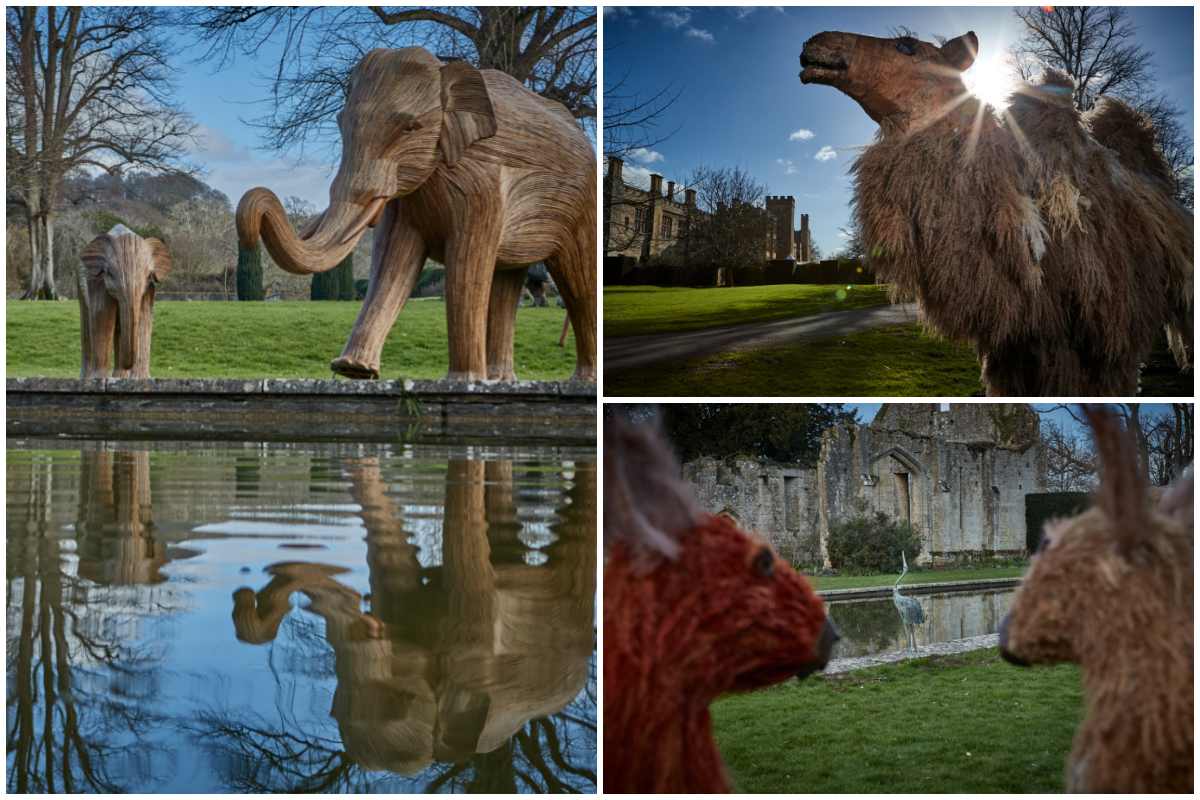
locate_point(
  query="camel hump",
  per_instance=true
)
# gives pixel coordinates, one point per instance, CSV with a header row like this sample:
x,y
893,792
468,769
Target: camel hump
x,y
1118,125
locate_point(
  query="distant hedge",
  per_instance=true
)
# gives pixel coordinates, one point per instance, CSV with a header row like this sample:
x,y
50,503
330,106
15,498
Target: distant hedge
x,y
1043,506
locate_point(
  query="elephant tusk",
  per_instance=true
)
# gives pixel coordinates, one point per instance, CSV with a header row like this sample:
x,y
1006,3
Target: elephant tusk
x,y
369,218
312,226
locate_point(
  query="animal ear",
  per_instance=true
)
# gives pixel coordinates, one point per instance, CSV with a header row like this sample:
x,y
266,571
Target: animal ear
x,y
961,52
467,114
1121,494
95,255
160,258
646,501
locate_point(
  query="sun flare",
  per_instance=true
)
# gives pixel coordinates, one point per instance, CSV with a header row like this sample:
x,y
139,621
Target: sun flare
x,y
990,79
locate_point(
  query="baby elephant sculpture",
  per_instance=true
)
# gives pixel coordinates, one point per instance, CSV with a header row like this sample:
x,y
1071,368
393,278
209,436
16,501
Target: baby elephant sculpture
x,y
116,302
462,165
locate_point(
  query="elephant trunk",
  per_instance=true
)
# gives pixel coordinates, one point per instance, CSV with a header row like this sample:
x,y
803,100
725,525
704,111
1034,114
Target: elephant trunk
x,y
127,339
321,247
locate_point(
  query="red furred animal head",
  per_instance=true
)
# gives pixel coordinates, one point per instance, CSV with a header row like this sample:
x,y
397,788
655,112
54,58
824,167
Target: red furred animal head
x,y
693,608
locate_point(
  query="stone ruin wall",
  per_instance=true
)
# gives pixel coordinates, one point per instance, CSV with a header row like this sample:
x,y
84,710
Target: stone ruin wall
x,y
960,475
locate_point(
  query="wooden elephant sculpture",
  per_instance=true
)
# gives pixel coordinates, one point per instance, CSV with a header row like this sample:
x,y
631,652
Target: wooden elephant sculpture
x,y
116,302
462,165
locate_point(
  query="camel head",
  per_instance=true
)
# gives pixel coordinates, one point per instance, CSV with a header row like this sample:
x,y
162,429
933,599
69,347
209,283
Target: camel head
x,y
903,80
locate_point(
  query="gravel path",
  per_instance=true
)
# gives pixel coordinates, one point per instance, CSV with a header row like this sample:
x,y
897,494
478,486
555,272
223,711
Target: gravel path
x,y
640,351
938,648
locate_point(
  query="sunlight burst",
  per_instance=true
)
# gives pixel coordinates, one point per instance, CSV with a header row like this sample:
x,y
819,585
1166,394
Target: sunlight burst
x,y
990,79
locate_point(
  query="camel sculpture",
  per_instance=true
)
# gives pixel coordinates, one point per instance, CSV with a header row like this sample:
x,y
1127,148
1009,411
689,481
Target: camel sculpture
x,y
1047,238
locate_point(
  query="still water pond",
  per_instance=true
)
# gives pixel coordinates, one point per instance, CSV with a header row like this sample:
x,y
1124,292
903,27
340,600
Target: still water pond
x,y
874,626
227,617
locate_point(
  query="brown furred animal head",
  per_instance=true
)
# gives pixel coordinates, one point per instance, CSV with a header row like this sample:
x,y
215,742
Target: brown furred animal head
x,y
1111,590
405,115
130,268
902,79
694,607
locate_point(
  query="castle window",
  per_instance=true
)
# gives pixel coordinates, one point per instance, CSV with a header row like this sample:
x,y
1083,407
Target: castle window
x,y
666,226
639,220
627,223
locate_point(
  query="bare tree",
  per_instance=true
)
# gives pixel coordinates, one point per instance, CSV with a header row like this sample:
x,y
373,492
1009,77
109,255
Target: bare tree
x,y
1070,458
551,50
732,228
1164,443
853,248
87,88
1098,47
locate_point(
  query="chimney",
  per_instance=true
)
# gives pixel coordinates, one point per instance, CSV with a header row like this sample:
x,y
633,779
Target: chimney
x,y
670,190
690,196
655,185
614,168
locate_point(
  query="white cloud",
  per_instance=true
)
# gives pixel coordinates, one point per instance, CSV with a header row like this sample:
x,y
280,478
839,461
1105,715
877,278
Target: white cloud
x,y
215,146
283,176
680,17
785,163
614,12
637,176
825,153
802,135
843,235
646,156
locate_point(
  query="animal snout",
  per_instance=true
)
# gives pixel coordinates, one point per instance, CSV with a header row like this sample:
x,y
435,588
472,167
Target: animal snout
x,y
1004,651
825,641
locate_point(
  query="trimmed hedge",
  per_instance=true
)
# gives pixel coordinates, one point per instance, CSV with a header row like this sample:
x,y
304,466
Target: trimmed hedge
x,y
1042,506
250,273
336,284
872,545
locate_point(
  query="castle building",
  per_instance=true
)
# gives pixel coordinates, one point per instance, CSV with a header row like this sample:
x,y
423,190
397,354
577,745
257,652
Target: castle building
x,y
959,472
642,223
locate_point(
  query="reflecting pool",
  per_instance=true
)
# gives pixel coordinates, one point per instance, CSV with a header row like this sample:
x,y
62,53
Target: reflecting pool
x,y
874,626
292,617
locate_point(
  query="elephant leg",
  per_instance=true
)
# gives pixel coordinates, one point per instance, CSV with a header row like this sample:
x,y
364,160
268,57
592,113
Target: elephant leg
x,y
470,264
502,322
574,272
396,262
102,321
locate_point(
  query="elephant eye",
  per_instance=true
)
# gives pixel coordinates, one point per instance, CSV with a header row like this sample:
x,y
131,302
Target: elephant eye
x,y
905,46
412,126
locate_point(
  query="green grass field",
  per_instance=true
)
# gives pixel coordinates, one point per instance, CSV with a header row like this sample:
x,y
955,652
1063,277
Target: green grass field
x,y
635,310
961,724
274,340
892,361
930,576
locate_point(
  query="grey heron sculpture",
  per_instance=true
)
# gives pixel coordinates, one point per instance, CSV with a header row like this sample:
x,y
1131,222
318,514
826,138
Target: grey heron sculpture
x,y
910,610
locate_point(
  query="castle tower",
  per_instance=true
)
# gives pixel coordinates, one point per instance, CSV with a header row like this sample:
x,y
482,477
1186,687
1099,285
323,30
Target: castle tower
x,y
805,240
784,211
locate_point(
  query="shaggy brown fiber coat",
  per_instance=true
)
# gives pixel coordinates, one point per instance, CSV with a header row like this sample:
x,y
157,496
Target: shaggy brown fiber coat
x,y
1111,590
693,608
1047,239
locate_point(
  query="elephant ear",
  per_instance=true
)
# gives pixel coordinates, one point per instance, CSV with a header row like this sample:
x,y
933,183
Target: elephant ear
x,y
961,52
160,258
95,255
467,114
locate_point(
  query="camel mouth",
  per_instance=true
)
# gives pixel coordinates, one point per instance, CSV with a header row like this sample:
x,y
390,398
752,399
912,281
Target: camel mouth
x,y
818,65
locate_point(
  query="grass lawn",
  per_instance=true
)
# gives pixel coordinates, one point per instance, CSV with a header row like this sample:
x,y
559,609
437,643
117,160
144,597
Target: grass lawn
x,y
932,576
275,340
634,310
892,361
967,723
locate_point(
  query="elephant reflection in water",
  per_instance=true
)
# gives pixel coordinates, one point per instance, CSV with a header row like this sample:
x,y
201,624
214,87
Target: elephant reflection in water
x,y
450,661
114,528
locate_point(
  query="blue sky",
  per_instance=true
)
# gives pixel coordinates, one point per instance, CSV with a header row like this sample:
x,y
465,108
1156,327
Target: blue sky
x,y
1047,411
743,102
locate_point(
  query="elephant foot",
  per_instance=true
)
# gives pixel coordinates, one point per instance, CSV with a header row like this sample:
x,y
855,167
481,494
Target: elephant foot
x,y
353,369
584,374
496,372
466,375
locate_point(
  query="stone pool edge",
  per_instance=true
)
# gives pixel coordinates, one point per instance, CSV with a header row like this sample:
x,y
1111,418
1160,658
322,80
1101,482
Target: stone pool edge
x,y
920,588
530,407
936,649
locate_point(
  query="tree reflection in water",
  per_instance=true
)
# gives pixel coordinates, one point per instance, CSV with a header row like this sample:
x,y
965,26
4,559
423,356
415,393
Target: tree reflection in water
x,y
470,676
78,691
